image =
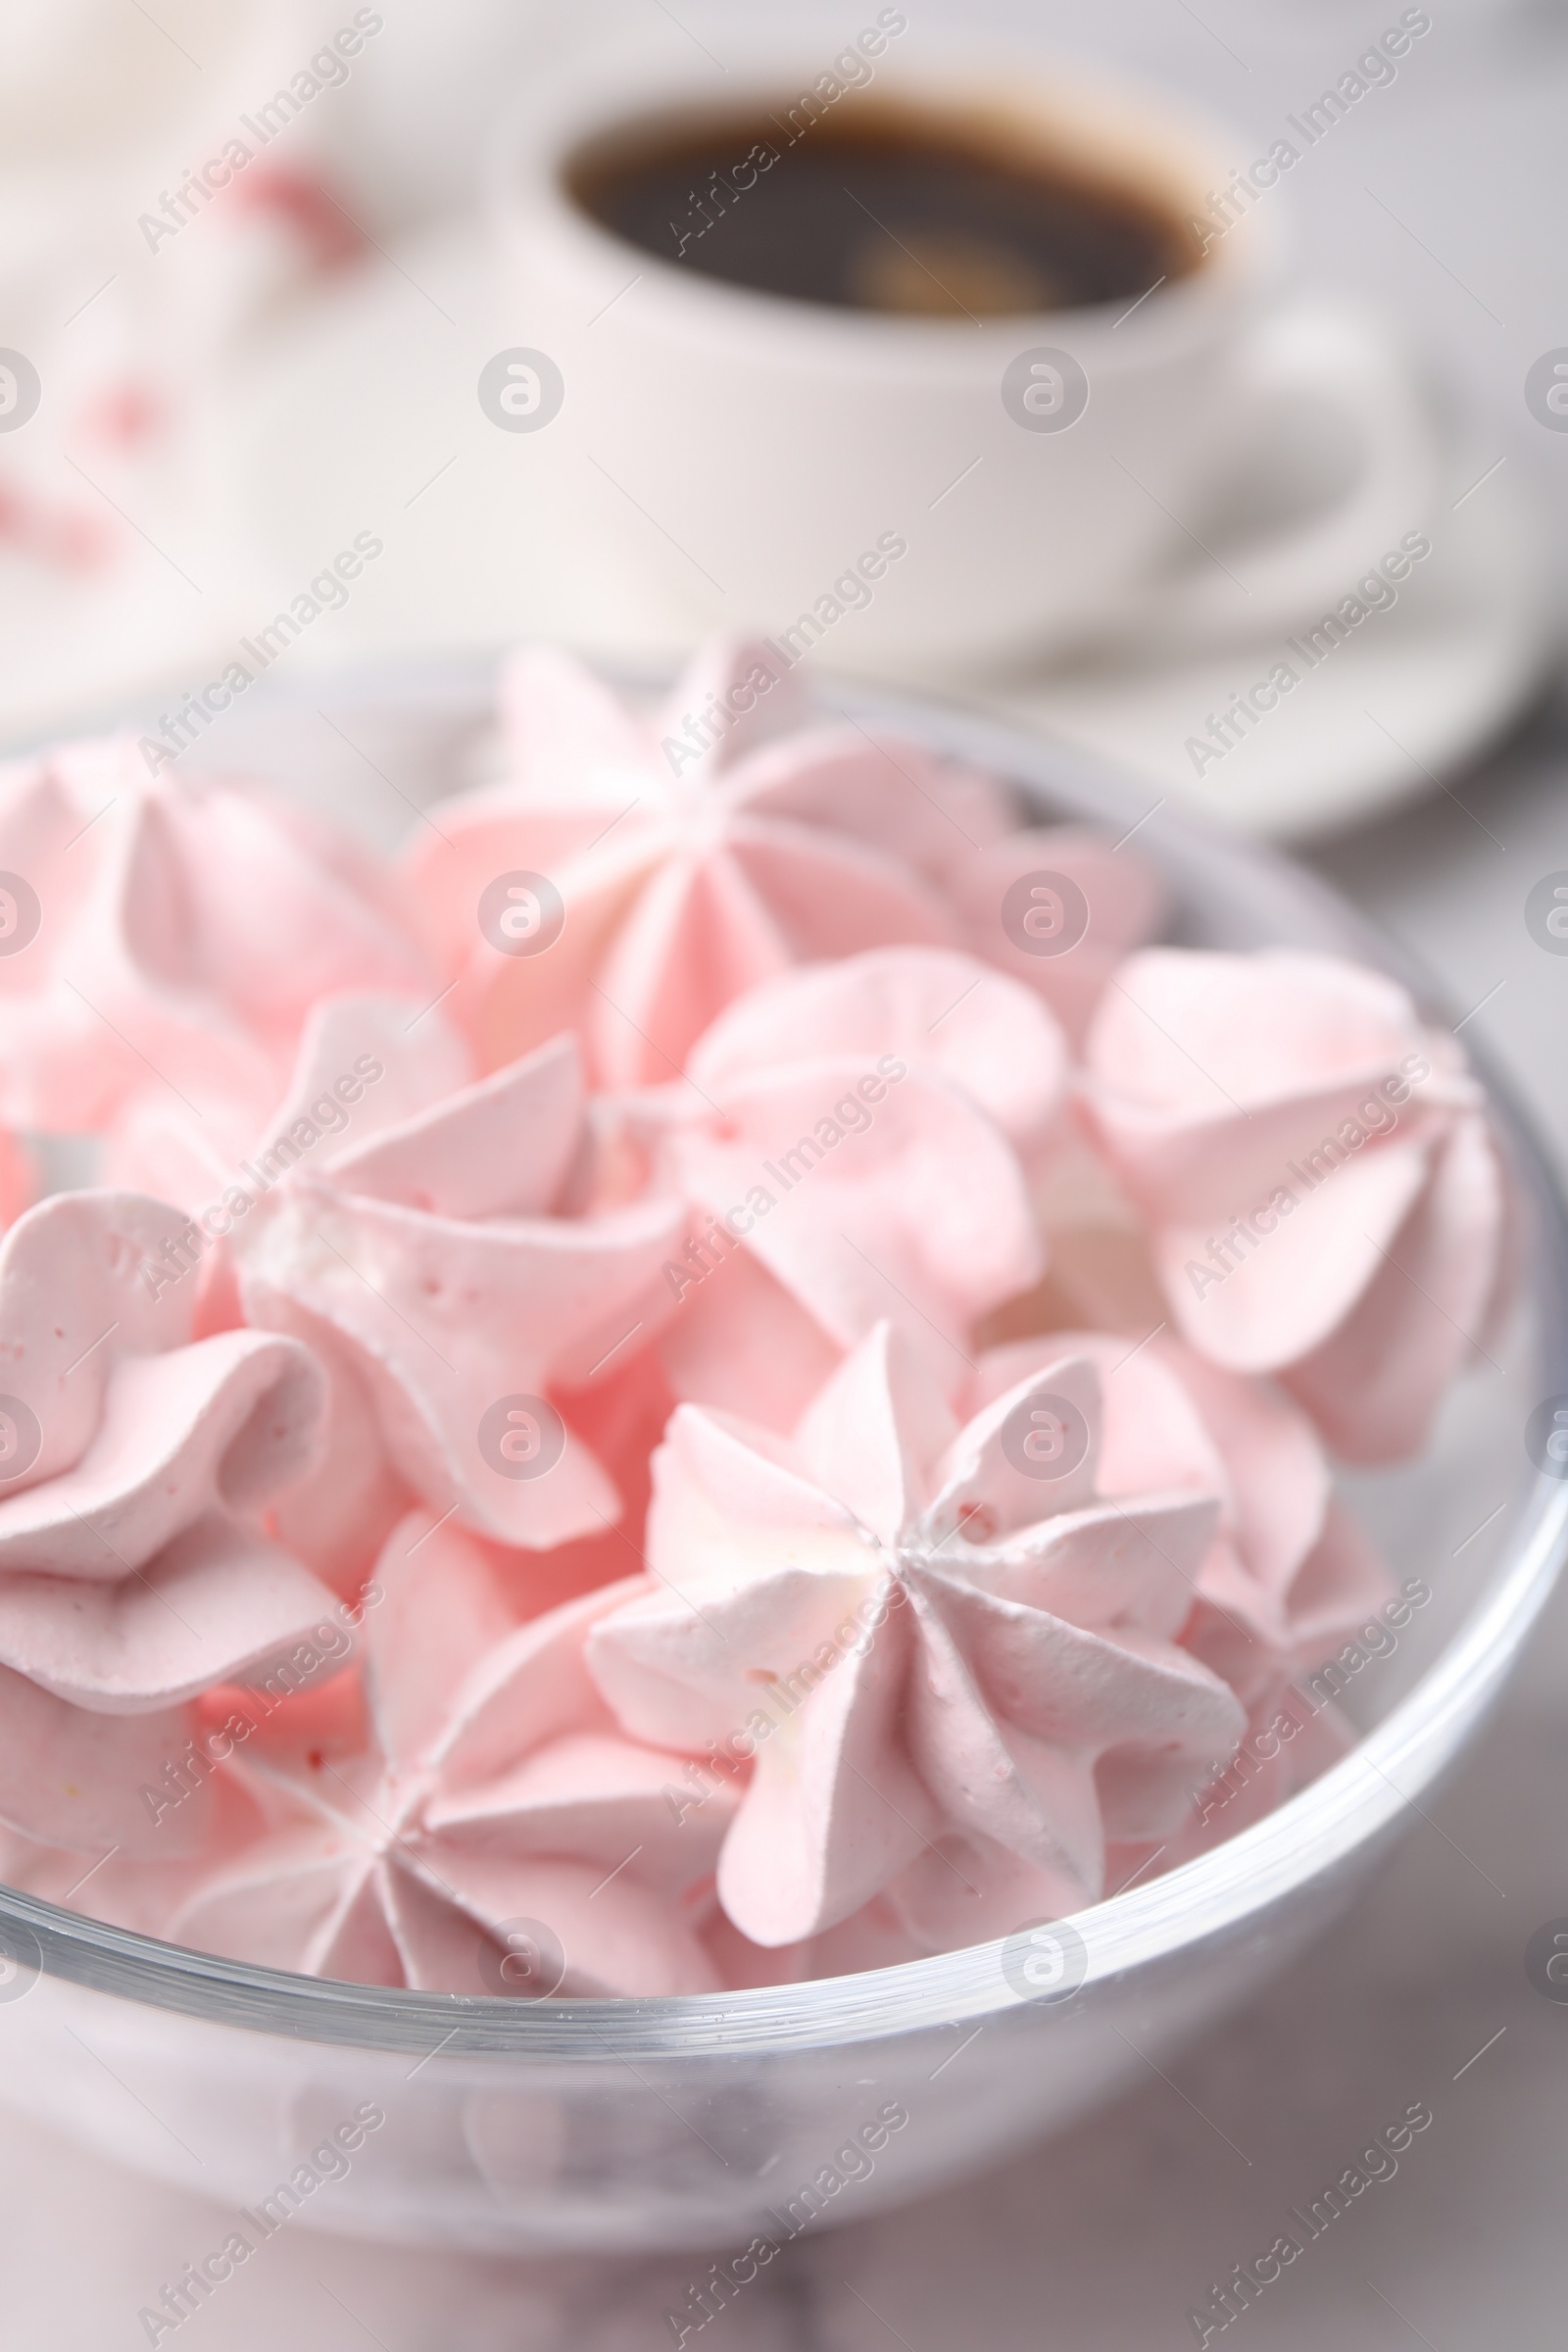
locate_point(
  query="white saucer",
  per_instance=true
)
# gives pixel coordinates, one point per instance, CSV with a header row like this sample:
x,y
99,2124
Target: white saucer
x,y
1404,702
362,413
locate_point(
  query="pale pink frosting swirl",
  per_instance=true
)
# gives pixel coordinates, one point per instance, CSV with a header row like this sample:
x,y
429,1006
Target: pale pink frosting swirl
x,y
851,1143
134,1566
687,874
440,1266
1286,1578
1288,1573
482,1784
1325,1197
176,933
958,1675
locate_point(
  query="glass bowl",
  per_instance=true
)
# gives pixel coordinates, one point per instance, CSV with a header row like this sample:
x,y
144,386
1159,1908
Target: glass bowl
x,y
517,2126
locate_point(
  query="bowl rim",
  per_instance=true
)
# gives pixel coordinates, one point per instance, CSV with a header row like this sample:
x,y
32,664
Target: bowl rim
x,y
1218,1894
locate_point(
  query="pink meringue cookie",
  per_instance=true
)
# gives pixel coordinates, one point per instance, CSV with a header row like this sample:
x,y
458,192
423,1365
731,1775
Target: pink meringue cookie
x,y
134,1571
382,1105
174,934
140,1891
435,1255
1325,1197
692,857
1065,943
849,1143
1287,1574
489,1791
364,1061
970,1670
1292,1738
1287,1579
929,1006
877,1935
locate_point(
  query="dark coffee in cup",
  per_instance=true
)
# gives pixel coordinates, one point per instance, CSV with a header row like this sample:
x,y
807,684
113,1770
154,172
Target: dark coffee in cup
x,y
885,208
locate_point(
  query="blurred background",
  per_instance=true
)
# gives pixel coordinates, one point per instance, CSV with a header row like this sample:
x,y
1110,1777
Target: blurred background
x,y
229,388
214,397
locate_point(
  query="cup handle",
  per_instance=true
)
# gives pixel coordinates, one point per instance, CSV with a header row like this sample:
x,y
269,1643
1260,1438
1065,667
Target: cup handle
x,y
1340,357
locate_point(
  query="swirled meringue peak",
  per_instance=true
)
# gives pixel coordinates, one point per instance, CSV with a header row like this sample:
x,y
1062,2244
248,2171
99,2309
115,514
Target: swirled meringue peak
x,y
135,1467
1288,1575
1325,1197
365,1061
480,1825
848,1147
928,1007
434,1260
169,933
956,1665
685,858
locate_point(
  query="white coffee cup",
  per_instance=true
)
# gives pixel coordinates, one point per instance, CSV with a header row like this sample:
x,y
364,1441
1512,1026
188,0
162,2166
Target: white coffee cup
x,y
967,494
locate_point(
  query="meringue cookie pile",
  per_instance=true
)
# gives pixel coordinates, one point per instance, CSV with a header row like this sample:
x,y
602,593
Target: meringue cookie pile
x,y
723,1374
